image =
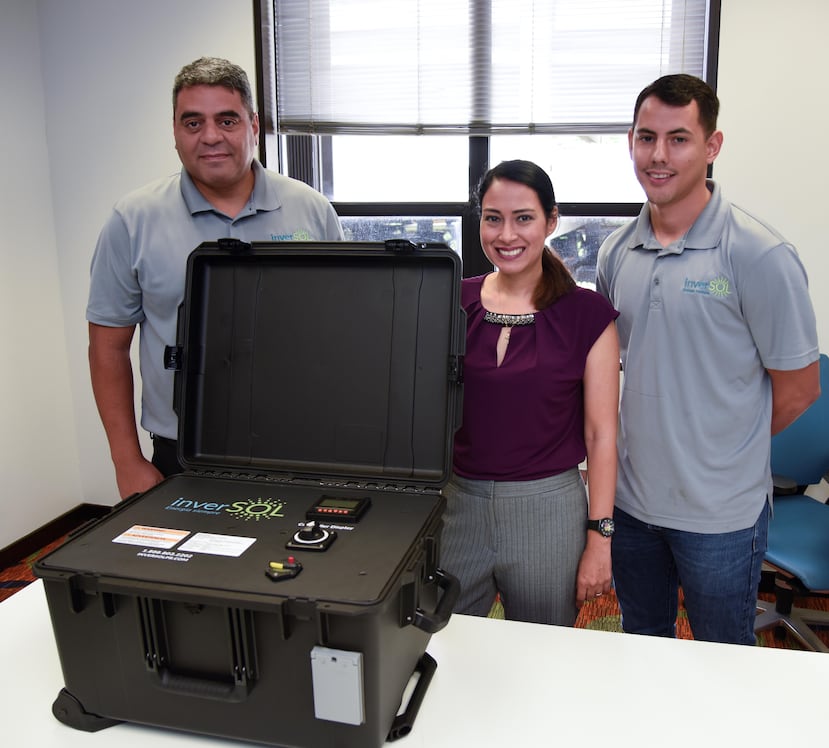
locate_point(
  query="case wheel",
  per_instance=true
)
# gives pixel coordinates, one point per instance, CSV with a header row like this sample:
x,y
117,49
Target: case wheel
x,y
70,711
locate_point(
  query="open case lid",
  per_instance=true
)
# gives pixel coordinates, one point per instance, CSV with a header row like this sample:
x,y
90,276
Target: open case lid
x,y
325,361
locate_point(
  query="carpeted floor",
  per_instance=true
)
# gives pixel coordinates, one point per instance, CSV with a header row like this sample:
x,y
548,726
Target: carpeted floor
x,y
14,578
602,614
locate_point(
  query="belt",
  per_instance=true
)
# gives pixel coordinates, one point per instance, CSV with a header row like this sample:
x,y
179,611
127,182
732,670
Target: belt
x,y
163,439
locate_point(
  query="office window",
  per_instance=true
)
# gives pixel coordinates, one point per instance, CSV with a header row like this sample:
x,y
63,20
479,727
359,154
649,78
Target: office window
x,y
577,240
398,168
416,229
395,109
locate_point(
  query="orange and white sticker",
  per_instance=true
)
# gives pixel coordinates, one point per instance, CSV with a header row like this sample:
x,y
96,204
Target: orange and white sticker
x,y
151,537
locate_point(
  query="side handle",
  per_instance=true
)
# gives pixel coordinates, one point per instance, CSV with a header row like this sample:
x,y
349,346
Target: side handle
x,y
431,623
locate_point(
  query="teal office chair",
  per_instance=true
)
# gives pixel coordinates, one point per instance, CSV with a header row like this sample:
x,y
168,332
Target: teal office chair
x,y
798,548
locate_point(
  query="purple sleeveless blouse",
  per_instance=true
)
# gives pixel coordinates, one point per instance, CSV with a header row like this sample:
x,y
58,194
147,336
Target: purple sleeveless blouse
x,y
524,420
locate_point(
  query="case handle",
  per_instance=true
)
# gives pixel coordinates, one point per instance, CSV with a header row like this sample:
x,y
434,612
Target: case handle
x,y
402,724
431,623
232,686
205,688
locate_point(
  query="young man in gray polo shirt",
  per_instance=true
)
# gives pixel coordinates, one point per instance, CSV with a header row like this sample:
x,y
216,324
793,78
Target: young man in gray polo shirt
x,y
719,351
138,269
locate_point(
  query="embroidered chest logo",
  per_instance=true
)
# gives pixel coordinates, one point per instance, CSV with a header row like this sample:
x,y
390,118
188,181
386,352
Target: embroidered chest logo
x,y
300,235
719,287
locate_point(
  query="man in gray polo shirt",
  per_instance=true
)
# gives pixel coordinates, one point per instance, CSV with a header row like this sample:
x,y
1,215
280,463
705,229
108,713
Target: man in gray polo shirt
x,y
719,351
138,269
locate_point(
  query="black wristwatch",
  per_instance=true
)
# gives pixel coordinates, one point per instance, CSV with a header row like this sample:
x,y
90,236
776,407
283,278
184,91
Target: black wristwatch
x,y
605,526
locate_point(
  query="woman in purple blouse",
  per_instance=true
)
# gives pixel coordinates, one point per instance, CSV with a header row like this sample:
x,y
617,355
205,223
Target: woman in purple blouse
x,y
541,387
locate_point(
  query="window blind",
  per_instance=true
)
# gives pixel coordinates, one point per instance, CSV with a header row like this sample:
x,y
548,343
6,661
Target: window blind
x,y
476,66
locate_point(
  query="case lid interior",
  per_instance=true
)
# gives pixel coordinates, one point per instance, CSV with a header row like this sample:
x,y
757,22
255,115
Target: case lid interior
x,y
334,361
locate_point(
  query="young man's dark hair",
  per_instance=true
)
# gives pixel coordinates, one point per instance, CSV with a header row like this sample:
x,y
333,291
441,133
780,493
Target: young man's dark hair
x,y
680,90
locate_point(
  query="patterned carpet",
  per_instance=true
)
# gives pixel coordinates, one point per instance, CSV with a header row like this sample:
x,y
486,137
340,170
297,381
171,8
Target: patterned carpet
x,y
14,578
601,614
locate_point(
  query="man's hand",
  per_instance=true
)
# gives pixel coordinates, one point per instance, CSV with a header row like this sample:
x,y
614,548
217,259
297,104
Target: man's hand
x,y
136,476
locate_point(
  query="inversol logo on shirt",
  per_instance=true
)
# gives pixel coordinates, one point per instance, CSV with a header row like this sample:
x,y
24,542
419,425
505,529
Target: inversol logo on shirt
x,y
246,509
719,286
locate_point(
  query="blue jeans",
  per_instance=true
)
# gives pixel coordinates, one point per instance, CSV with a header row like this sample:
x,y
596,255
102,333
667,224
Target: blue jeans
x,y
719,573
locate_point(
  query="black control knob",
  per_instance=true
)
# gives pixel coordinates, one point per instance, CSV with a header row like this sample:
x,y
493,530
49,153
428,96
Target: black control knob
x,y
311,537
311,533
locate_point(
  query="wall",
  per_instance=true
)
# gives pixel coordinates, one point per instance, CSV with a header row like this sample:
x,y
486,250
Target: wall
x,y
771,88
89,84
38,457
109,110
90,119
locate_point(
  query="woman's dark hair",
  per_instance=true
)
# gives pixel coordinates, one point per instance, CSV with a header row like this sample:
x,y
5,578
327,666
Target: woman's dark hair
x,y
556,279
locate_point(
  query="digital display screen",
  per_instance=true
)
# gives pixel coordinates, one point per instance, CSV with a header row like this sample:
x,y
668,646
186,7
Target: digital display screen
x,y
337,507
338,503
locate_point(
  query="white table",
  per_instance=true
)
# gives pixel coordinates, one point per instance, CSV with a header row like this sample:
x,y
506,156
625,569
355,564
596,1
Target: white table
x,y
500,683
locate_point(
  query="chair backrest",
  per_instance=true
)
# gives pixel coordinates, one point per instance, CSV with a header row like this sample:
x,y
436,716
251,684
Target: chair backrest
x,y
801,451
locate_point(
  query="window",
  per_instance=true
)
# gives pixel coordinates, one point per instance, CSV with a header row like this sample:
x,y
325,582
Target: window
x,y
414,228
395,109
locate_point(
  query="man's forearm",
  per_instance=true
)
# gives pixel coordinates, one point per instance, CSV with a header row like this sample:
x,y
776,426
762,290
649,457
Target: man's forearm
x,y
792,393
113,388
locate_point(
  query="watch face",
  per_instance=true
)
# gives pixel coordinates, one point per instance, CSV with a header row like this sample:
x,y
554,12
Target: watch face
x,y
607,527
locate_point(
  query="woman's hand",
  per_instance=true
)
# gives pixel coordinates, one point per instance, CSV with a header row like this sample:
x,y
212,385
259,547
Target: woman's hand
x,y
594,575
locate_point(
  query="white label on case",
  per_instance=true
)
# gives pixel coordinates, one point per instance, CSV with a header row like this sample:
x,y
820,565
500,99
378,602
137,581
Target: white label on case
x,y
217,545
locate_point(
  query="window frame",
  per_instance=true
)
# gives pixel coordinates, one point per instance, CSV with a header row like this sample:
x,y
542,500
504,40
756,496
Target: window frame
x,y
309,157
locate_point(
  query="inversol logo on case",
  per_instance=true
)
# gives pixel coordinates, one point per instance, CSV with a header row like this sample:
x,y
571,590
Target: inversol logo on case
x,y
246,509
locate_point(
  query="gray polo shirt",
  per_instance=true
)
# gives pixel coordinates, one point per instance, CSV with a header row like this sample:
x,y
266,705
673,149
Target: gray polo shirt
x,y
700,322
138,269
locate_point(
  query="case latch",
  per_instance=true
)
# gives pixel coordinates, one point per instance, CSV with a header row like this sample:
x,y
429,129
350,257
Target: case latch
x,y
404,246
172,357
456,369
234,246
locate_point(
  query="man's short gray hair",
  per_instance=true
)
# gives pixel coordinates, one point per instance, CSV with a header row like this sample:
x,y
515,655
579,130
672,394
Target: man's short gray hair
x,y
214,71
